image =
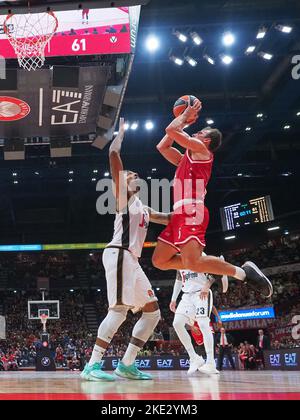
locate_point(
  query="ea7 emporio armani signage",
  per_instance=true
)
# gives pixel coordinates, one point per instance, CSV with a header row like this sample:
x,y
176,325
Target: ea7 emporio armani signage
x,y
70,106
41,106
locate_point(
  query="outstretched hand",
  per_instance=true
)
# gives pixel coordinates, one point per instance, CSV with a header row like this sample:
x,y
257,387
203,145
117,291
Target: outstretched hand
x,y
121,126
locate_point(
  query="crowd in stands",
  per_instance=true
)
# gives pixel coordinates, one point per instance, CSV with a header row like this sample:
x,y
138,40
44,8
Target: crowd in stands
x,y
70,338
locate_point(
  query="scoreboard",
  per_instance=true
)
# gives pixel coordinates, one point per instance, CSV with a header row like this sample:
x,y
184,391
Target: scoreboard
x,y
256,210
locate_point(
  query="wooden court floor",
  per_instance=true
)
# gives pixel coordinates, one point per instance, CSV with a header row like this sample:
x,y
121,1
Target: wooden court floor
x,y
175,385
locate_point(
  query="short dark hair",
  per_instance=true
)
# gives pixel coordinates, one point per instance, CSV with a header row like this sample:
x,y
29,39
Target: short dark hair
x,y
215,136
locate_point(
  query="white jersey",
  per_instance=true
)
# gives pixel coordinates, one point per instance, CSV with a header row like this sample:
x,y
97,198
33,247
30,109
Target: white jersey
x,y
192,282
131,227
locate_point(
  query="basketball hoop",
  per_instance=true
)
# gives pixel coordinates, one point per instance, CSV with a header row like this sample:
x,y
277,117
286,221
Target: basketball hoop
x,y
44,319
29,34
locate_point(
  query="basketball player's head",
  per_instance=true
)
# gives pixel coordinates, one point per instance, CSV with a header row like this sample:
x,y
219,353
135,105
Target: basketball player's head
x,y
211,137
133,181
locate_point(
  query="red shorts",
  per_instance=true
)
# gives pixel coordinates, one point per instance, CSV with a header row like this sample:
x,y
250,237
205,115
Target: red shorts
x,y
197,334
181,229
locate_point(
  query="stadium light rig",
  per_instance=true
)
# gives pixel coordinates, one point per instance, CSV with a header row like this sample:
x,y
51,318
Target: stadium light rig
x,y
210,121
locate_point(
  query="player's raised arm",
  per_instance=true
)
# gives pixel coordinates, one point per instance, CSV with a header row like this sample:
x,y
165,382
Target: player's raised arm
x,y
170,153
176,130
157,217
176,290
116,164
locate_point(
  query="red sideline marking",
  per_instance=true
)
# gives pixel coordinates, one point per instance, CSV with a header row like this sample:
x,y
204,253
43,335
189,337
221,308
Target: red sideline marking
x,y
191,397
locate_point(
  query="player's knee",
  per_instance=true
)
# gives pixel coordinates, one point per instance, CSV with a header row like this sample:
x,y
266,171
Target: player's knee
x,y
177,324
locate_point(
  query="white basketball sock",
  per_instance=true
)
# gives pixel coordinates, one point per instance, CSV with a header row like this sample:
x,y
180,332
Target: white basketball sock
x,y
97,355
208,339
179,326
130,354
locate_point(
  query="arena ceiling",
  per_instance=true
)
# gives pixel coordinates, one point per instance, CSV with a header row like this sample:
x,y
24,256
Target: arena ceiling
x,y
263,160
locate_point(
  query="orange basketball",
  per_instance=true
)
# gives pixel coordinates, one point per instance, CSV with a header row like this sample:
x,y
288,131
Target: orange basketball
x,y
182,103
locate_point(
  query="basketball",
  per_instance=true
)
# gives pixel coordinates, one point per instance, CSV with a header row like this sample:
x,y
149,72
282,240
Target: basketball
x,y
182,103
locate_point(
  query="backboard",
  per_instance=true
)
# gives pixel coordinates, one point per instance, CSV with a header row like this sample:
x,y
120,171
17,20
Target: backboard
x,y
38,307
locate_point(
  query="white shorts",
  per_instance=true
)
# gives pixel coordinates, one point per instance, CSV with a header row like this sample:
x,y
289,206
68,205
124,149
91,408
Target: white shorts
x,y
193,307
127,284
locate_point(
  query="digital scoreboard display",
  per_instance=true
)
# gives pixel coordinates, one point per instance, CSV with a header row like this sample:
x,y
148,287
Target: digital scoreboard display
x,y
256,210
85,32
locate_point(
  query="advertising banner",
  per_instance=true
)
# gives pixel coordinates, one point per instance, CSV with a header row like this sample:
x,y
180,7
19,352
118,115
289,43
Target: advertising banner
x,y
283,359
38,107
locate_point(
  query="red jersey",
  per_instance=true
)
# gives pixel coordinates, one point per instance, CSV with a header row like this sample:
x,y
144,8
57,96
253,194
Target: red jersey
x,y
191,178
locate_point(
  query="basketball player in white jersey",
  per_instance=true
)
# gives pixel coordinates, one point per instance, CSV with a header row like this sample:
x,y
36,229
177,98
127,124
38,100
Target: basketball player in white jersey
x,y
196,305
128,287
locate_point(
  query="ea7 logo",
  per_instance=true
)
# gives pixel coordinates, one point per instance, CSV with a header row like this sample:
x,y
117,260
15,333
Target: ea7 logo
x,y
184,363
290,359
275,359
165,364
143,363
296,69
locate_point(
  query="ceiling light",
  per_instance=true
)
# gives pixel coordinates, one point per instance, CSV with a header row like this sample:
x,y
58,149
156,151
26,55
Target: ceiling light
x,y
134,126
265,55
149,125
196,38
228,39
227,59
284,28
209,59
261,33
178,61
250,49
182,37
192,62
152,43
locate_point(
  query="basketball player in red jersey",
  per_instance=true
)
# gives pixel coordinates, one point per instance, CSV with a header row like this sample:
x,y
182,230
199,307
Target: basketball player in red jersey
x,y
181,244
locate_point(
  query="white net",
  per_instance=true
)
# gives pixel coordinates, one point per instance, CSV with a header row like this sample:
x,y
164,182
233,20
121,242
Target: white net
x,y
29,35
